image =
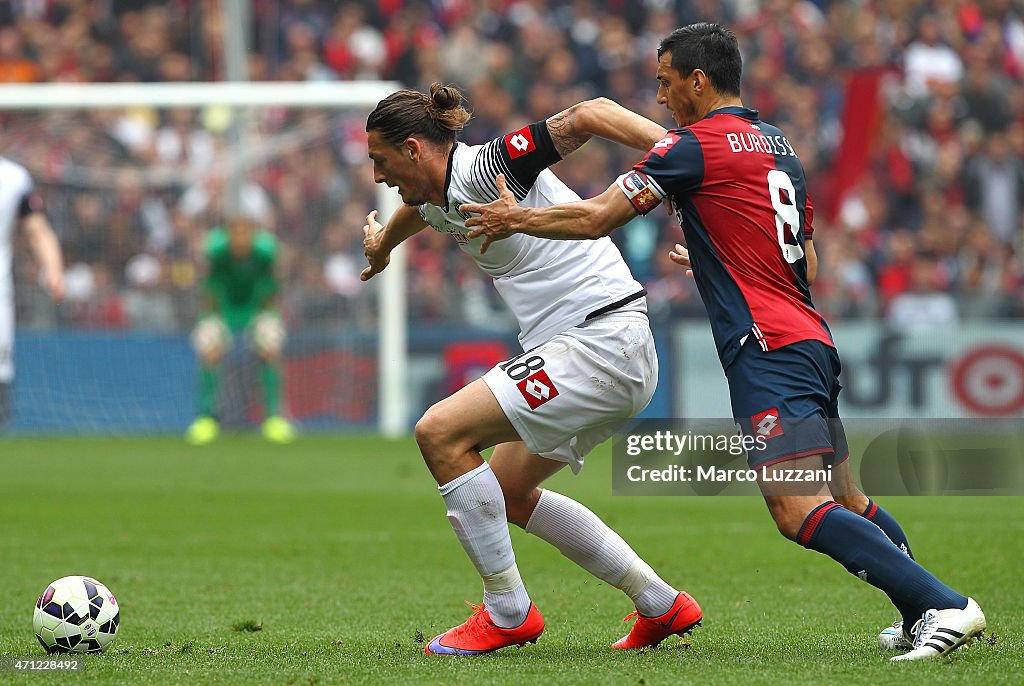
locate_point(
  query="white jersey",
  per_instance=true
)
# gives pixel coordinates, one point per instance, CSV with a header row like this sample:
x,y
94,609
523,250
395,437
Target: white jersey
x,y
15,191
16,201
550,285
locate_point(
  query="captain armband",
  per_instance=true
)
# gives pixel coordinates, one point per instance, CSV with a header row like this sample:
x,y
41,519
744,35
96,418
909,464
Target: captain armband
x,y
641,190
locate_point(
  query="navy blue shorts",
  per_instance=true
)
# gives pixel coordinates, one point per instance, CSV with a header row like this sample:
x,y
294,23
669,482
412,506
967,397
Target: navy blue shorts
x,y
788,399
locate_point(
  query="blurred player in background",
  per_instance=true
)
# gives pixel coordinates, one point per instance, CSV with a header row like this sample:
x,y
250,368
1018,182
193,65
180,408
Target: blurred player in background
x,y
590,362
738,190
240,299
21,206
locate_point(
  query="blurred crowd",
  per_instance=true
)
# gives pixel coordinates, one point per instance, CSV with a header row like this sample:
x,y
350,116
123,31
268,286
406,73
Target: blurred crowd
x,y
908,116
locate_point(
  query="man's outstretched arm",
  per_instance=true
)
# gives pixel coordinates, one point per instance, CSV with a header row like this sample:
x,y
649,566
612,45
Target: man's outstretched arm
x,y
379,241
592,218
604,118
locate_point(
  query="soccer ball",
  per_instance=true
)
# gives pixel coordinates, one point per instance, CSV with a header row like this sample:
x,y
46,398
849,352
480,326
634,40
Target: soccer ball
x,y
76,614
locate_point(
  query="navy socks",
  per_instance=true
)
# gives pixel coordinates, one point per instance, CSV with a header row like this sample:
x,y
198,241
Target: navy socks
x,y
876,515
868,553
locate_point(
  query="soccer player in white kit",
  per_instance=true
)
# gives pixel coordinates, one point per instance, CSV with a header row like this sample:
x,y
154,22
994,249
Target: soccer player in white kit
x,y
20,205
589,362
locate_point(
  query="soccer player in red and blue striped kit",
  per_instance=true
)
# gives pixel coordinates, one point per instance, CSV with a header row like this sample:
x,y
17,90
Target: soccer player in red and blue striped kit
x,y
737,187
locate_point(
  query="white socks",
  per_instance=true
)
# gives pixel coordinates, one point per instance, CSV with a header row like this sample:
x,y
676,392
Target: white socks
x,y
476,510
582,537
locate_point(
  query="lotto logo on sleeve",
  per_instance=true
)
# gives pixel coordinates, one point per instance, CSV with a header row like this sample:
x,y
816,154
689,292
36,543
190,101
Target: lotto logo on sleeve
x,y
665,144
767,424
537,389
520,142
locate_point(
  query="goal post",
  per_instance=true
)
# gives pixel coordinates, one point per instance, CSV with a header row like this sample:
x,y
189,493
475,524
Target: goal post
x,y
56,96
392,349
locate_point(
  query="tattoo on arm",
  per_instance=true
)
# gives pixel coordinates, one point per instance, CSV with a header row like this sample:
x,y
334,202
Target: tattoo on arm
x,y
564,134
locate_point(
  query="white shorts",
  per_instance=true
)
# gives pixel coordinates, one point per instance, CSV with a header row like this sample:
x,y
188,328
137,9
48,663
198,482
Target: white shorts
x,y
572,393
6,338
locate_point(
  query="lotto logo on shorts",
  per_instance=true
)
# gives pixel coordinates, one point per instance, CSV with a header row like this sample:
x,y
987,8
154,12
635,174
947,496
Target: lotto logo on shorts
x,y
537,389
767,424
520,142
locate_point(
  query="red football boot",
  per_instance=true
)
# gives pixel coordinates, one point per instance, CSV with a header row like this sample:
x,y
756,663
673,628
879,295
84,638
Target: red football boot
x,y
478,635
648,632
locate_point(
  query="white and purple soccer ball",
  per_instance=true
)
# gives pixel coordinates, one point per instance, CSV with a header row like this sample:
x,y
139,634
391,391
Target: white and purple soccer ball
x,y
76,614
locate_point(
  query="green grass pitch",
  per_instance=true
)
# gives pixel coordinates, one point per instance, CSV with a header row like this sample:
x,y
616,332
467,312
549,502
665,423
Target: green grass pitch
x,y
330,561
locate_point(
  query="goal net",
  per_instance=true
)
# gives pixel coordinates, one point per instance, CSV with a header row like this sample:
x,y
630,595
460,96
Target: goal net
x,y
133,177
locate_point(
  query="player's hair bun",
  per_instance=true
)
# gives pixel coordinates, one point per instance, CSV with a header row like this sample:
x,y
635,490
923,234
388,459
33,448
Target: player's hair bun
x,y
443,98
445,107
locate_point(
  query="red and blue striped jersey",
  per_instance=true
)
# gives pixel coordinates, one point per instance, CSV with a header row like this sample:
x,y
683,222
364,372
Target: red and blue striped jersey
x,y
738,190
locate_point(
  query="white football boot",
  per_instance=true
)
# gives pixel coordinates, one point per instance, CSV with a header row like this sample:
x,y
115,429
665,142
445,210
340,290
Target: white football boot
x,y
895,638
942,631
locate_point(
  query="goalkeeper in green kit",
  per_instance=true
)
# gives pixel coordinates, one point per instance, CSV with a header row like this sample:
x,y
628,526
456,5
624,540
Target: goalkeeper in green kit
x,y
240,299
